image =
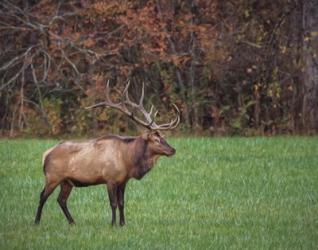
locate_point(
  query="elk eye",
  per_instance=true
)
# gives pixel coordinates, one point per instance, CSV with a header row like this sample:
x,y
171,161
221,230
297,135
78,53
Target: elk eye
x,y
157,140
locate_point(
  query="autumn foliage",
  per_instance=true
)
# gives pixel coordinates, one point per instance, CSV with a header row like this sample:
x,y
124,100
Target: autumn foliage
x,y
232,67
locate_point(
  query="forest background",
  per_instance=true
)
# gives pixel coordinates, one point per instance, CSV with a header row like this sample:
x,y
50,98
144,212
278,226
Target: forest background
x,y
242,67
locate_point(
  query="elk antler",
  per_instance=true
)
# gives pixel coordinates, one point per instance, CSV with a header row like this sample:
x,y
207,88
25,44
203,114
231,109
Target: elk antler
x,y
148,116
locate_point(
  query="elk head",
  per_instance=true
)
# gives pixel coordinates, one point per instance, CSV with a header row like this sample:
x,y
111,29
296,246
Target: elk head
x,y
157,144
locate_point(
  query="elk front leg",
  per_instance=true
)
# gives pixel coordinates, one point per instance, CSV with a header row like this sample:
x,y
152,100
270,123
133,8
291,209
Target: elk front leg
x,y
121,198
112,194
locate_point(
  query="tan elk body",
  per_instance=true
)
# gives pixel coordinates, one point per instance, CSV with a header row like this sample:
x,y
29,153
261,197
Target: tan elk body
x,y
110,160
102,160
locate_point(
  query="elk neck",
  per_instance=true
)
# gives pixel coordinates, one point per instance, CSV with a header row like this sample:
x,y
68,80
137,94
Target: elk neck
x,y
141,158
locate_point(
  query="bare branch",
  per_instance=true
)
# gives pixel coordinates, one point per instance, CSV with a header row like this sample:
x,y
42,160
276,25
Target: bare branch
x,y
13,78
70,62
46,65
6,66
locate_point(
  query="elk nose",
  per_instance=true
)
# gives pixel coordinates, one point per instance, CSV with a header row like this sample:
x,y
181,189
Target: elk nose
x,y
173,151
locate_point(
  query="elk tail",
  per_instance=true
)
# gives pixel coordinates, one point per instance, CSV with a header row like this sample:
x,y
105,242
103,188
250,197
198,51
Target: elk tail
x,y
45,158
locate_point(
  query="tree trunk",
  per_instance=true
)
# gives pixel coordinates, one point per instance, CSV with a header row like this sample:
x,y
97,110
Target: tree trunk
x,y
310,56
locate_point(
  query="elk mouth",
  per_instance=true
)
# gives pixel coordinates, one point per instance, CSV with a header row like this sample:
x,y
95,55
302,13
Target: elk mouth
x,y
170,152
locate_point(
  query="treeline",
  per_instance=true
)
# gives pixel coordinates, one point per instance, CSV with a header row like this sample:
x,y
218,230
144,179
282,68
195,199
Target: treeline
x,y
232,67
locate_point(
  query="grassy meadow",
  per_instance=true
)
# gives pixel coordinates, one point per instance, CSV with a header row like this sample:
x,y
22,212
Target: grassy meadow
x,y
215,193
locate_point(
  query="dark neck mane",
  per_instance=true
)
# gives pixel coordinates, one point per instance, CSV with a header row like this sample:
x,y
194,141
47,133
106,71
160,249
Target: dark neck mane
x,y
142,160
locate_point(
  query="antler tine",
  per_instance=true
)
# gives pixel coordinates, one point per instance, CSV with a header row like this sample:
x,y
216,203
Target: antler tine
x,y
127,99
107,92
100,104
171,125
152,120
108,101
178,116
141,101
177,120
139,106
125,93
156,113
151,110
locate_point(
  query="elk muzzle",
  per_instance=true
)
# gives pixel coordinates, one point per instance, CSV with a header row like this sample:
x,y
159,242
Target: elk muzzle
x,y
171,152
168,150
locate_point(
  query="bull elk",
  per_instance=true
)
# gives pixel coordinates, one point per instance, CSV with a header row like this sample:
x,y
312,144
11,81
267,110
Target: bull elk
x,y
110,160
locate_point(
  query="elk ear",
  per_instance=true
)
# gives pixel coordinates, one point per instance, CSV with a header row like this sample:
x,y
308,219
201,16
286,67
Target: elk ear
x,y
154,136
146,134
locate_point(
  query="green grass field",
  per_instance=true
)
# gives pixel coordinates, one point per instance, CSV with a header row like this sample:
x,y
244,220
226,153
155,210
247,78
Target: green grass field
x,y
216,193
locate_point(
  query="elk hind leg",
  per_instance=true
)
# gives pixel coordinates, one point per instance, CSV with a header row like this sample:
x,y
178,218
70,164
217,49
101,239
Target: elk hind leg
x,y
46,192
66,189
